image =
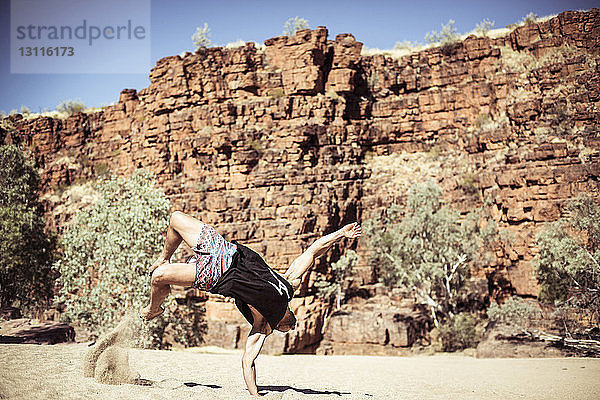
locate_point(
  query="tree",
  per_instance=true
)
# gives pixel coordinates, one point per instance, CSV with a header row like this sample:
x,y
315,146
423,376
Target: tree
x,y
447,38
70,107
484,27
25,110
107,251
429,251
201,37
530,18
340,270
568,264
26,276
293,25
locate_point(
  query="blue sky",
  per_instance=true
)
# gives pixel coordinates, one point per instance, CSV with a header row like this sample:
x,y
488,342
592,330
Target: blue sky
x,y
375,23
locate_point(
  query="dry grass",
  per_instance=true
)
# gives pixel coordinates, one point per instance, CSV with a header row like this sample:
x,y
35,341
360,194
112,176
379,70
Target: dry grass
x,y
404,48
524,62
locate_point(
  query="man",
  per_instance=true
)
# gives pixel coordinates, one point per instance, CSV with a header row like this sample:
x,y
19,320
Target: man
x,y
234,270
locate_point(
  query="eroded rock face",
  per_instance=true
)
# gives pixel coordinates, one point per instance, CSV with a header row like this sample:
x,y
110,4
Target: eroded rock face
x,y
278,147
380,325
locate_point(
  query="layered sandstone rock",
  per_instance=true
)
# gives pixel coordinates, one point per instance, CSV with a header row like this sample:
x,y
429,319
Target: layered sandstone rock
x,y
380,325
278,147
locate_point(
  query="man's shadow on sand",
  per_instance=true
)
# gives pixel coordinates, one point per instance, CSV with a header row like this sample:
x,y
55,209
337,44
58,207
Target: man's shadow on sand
x,y
148,382
304,391
192,384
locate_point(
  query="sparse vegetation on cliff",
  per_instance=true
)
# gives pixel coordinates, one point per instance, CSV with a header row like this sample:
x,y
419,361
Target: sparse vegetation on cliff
x,y
26,275
293,25
446,38
70,107
530,18
201,37
25,110
484,27
448,35
524,61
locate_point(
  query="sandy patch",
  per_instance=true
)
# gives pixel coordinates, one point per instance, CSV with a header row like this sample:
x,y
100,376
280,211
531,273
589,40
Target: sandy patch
x,y
55,372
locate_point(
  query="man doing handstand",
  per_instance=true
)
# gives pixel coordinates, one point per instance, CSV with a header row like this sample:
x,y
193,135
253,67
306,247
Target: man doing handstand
x,y
234,270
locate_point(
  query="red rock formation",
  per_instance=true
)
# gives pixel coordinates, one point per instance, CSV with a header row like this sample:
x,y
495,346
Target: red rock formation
x,y
274,147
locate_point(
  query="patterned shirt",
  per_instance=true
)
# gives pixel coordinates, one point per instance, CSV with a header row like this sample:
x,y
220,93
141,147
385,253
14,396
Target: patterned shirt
x,y
213,257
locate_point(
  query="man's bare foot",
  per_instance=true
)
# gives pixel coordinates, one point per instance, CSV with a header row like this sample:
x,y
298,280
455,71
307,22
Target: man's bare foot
x,y
147,314
159,261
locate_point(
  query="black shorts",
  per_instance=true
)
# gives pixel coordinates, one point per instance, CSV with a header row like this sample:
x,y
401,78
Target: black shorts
x,y
249,280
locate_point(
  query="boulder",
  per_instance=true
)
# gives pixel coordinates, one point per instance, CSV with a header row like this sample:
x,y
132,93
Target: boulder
x,y
507,341
29,331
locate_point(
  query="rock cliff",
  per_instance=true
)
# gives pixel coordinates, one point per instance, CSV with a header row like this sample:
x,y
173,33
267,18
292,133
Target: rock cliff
x,y
278,146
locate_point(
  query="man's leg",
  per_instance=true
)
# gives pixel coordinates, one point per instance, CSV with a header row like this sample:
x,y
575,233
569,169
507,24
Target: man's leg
x,y
182,227
180,274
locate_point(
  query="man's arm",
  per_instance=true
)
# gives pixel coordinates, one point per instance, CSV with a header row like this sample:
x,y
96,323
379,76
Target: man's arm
x,y
256,339
317,249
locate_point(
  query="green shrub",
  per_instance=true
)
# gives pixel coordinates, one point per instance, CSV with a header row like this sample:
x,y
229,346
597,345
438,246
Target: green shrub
x,y
26,275
276,93
560,117
530,18
107,251
372,80
515,311
70,107
340,270
293,25
100,169
484,27
460,332
469,183
201,37
482,120
257,146
429,250
447,38
568,264
25,110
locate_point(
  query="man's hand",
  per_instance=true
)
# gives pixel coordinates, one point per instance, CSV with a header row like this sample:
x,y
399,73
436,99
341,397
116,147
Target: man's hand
x,y
352,231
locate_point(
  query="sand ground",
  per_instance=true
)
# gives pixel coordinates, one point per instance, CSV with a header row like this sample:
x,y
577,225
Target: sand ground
x,y
55,372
